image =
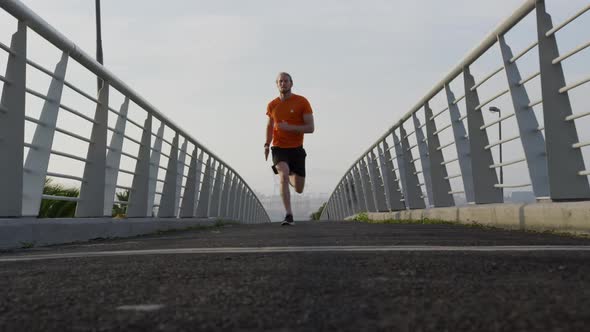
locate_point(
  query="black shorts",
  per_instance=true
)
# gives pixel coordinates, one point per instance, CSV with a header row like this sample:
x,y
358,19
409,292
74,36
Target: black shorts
x,y
294,157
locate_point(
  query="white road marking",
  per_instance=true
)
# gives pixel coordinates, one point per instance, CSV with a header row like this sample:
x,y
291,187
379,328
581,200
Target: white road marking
x,y
265,250
141,307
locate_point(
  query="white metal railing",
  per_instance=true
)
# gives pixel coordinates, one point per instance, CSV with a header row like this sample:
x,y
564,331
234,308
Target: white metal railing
x,y
197,184
551,154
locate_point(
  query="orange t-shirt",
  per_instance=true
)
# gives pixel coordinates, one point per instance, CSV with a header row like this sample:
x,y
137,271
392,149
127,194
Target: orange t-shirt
x,y
290,111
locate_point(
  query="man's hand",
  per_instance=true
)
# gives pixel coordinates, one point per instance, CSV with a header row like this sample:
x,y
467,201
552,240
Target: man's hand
x,y
266,149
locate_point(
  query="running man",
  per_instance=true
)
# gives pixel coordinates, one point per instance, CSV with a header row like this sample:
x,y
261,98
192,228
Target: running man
x,y
289,117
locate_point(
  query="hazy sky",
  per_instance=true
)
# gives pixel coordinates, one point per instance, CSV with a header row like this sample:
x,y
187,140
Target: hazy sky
x,y
211,65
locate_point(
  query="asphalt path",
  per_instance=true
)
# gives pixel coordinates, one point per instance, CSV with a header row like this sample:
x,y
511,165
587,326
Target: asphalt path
x,y
346,276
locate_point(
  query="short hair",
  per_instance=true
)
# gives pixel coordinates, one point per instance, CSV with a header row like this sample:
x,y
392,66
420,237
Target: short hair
x,y
286,74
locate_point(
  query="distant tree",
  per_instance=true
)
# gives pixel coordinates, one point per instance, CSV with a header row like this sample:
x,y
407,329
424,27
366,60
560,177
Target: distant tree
x,y
52,208
120,210
316,215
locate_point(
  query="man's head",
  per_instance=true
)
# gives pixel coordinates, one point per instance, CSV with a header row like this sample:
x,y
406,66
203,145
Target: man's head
x,y
284,82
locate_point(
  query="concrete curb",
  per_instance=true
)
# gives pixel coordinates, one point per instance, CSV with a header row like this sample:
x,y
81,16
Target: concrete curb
x,y
569,217
26,232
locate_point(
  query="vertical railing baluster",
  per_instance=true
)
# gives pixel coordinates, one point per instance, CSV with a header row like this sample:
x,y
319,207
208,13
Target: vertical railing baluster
x,y
358,188
367,185
114,158
390,180
441,186
139,196
92,189
37,159
155,168
563,160
461,144
203,205
424,159
224,203
12,126
215,196
187,210
481,159
180,176
531,137
413,198
168,198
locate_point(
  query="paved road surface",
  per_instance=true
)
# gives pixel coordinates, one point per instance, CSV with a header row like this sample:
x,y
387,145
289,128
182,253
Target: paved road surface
x,y
314,276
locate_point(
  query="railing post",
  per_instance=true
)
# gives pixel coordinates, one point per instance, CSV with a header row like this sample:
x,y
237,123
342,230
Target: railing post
x,y
461,144
377,182
215,196
531,137
563,160
358,189
138,197
413,198
353,198
367,185
242,204
235,212
92,189
441,186
203,205
38,158
12,126
168,198
224,203
114,158
392,188
180,176
424,159
481,159
187,210
154,168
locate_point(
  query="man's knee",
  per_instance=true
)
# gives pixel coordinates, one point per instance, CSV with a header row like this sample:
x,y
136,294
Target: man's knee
x,y
284,178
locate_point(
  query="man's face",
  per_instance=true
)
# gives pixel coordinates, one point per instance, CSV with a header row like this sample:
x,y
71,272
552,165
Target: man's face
x,y
284,84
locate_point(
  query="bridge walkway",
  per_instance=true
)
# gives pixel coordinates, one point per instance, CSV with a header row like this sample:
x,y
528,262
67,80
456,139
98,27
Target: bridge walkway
x,y
313,276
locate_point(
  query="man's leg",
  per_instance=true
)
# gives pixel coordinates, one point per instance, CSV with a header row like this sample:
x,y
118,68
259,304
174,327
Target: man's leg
x,y
283,169
297,182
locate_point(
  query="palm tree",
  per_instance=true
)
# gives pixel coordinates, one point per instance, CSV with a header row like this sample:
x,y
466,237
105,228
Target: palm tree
x,y
51,208
120,210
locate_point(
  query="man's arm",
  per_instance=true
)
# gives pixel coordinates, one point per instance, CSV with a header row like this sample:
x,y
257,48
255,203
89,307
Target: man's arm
x,y
269,129
308,126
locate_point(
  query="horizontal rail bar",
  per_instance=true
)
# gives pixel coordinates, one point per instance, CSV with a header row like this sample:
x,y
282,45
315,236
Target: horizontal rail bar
x,y
453,176
458,100
584,173
540,128
496,121
5,80
123,187
445,146
456,192
414,160
81,138
43,69
67,155
568,21
449,161
409,134
39,95
417,172
506,140
508,163
580,144
73,111
129,155
576,116
439,113
535,103
569,54
411,147
525,80
574,85
80,92
485,79
525,51
60,198
512,185
441,130
7,49
491,99
64,176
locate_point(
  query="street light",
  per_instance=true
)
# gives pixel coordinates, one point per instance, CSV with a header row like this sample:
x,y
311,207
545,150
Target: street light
x,y
98,41
494,109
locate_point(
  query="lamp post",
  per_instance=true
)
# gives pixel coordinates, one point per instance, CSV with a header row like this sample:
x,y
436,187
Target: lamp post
x,y
98,41
494,109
